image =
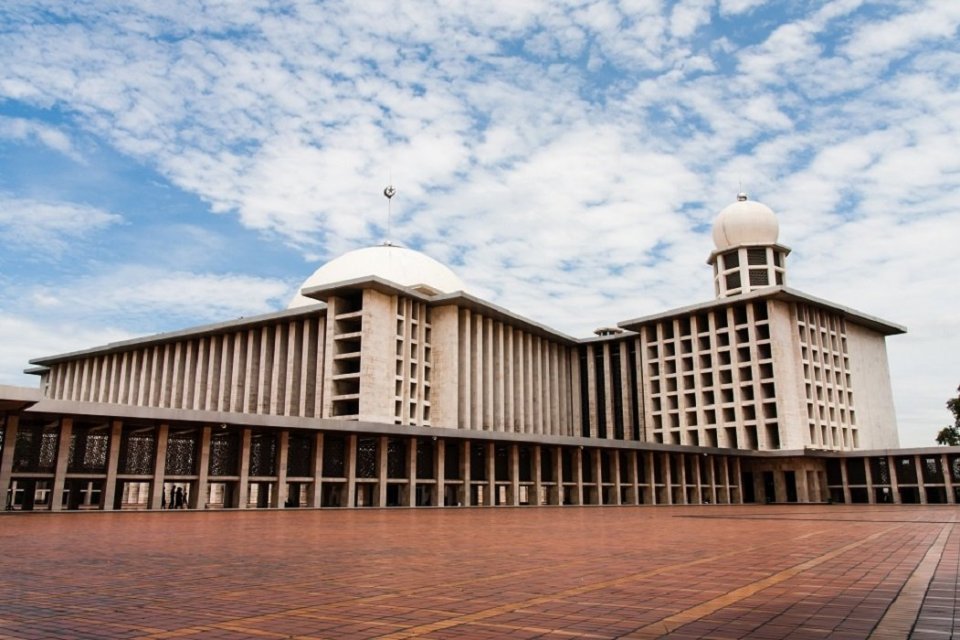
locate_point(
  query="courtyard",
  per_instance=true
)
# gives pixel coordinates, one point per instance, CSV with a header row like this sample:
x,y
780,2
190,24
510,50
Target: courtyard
x,y
797,571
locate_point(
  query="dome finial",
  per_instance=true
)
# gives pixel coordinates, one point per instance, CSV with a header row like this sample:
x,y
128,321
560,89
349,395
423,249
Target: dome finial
x,y
742,197
388,193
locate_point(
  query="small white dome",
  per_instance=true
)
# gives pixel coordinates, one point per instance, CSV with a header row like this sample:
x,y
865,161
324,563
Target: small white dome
x,y
405,267
745,222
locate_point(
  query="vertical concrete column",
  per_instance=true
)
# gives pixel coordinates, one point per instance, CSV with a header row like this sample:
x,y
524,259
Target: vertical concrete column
x,y
159,467
6,461
490,448
465,486
921,489
316,491
382,444
243,491
113,461
710,461
597,464
556,459
283,455
63,455
815,491
803,491
578,475
698,462
412,445
514,475
615,472
198,499
537,476
667,478
351,470
651,478
780,486
633,491
947,479
683,481
725,478
737,489
868,472
440,468
845,480
894,480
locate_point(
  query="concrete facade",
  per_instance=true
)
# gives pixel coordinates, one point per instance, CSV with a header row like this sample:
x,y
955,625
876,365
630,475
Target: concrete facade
x,y
383,394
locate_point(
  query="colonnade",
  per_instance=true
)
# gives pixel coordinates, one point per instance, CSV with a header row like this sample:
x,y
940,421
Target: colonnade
x,y
57,464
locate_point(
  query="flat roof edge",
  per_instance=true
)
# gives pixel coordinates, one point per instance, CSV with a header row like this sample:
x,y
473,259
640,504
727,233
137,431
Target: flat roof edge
x,y
778,293
170,336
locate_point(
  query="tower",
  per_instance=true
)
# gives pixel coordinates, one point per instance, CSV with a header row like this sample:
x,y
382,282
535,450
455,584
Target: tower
x,y
747,256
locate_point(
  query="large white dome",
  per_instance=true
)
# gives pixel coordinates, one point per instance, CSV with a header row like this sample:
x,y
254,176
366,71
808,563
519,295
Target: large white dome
x,y
745,222
405,267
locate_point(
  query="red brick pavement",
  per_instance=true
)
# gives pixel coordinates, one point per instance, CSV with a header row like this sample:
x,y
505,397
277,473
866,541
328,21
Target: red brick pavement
x,y
763,572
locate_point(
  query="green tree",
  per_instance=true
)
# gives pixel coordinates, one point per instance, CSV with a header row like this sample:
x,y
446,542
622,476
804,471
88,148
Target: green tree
x,y
951,435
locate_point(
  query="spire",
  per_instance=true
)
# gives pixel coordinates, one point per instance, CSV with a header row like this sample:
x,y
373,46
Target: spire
x,y
388,193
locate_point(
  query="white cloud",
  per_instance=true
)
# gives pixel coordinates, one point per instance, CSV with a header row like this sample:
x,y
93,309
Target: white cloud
x,y
138,293
564,156
22,129
26,338
47,225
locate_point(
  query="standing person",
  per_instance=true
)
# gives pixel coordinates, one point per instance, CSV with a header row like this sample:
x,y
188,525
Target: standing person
x,y
178,499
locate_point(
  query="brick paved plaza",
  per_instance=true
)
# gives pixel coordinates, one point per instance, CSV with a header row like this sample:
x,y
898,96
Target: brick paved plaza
x,y
595,572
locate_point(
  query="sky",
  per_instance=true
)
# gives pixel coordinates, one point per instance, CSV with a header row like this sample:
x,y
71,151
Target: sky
x,y
164,164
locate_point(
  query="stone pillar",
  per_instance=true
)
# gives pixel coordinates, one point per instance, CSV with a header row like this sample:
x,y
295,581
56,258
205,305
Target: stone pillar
x,y
440,469
894,479
815,489
803,491
633,491
947,479
868,472
6,462
316,491
922,490
711,477
159,467
683,481
537,476
578,475
412,445
382,445
556,459
490,448
198,497
615,472
514,452
113,461
283,455
667,478
351,470
651,478
243,491
466,490
845,481
738,470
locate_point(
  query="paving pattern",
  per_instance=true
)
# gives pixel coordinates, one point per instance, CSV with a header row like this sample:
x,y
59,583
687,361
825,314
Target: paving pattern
x,y
764,572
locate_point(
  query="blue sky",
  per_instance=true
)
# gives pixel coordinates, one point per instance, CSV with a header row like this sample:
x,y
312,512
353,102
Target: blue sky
x,y
166,164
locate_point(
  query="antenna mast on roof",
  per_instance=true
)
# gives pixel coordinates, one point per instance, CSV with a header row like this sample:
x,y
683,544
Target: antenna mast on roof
x,y
389,192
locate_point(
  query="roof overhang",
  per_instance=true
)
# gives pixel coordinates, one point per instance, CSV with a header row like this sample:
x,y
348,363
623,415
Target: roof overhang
x,y
16,398
460,299
173,336
776,293
779,247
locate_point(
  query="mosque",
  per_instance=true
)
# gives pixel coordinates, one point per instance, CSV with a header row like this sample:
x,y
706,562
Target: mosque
x,y
385,383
